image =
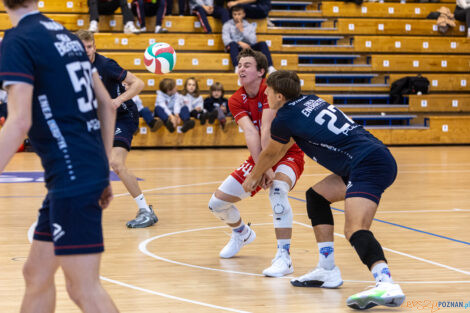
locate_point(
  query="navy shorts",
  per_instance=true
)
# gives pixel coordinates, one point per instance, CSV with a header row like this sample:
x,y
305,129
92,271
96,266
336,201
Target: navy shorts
x,y
125,129
72,224
371,176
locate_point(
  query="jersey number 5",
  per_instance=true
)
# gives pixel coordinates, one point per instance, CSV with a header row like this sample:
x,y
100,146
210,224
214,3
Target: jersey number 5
x,y
331,112
80,75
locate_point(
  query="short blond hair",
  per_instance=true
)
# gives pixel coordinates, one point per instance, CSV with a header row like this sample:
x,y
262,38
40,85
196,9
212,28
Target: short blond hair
x,y
85,35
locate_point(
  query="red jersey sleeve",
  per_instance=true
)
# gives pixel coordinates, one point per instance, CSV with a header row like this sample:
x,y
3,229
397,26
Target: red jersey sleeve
x,y
236,106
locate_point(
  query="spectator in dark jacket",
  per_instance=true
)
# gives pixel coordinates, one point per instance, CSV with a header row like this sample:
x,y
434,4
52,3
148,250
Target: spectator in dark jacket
x,y
256,9
216,105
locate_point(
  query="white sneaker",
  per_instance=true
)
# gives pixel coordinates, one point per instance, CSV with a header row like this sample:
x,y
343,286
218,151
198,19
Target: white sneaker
x,y
130,28
388,294
319,277
271,70
159,29
281,265
93,27
237,241
143,29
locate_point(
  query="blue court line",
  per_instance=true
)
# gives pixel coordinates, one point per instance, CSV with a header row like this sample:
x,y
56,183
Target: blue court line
x,y
401,226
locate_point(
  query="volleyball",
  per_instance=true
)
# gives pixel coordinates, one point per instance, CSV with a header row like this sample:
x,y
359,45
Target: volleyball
x,y
159,58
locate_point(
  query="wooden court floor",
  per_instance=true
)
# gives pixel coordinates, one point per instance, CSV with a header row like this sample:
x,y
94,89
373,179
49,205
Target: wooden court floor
x,y
422,222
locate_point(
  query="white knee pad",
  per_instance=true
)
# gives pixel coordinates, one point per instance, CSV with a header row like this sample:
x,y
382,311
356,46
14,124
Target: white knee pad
x,y
224,210
282,211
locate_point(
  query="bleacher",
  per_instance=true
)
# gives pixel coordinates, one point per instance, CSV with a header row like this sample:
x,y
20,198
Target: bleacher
x,y
346,53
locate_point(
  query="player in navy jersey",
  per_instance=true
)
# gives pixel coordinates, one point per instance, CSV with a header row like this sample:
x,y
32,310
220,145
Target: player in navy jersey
x,y
362,169
127,123
50,83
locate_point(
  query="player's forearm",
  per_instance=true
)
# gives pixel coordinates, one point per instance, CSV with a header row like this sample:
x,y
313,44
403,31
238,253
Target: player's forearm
x,y
134,89
12,135
266,160
253,143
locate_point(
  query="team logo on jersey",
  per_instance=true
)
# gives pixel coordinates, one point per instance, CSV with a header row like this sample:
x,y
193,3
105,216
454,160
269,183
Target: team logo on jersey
x,y
244,97
326,251
58,232
260,107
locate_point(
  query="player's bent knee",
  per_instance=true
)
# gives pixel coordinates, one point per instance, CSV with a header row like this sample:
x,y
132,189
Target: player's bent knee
x,y
367,247
117,166
282,211
225,211
35,277
318,209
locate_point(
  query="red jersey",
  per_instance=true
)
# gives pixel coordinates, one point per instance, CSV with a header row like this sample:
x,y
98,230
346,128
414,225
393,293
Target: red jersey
x,y
241,105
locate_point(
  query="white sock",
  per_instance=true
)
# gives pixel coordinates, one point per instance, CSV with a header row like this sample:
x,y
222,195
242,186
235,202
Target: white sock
x,y
241,229
141,203
327,256
283,244
381,273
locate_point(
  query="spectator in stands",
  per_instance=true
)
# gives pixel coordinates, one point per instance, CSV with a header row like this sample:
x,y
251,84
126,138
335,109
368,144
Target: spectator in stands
x,y
256,9
108,7
218,104
238,34
148,8
202,8
154,123
462,13
168,107
181,7
191,99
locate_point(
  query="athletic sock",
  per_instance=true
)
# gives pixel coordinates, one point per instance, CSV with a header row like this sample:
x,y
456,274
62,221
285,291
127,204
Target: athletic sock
x,y
241,229
381,273
283,244
327,256
141,203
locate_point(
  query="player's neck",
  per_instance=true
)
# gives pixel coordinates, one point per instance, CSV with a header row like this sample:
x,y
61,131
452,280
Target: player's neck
x,y
17,14
252,89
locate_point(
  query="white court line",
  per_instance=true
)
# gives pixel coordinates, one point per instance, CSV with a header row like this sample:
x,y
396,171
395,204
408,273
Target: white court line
x,y
170,296
171,187
143,249
405,254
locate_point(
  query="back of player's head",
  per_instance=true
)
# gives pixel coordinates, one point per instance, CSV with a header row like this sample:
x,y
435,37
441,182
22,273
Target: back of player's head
x,y
261,60
16,4
167,84
287,83
217,87
85,35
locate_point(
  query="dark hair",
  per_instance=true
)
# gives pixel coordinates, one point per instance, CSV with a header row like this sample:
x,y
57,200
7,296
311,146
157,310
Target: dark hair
x,y
167,84
217,86
185,90
261,60
14,4
237,8
85,35
287,83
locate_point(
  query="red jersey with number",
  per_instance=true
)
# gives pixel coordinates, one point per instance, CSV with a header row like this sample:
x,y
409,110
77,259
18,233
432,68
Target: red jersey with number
x,y
241,105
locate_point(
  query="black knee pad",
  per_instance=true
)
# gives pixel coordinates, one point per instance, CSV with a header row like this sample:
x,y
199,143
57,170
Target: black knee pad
x,y
367,247
318,209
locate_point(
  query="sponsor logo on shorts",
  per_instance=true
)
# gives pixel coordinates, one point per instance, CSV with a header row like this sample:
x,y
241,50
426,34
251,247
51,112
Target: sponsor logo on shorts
x,y
118,131
58,232
349,185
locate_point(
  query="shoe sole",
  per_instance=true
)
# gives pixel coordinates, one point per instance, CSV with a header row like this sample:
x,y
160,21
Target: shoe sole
x,y
394,301
316,284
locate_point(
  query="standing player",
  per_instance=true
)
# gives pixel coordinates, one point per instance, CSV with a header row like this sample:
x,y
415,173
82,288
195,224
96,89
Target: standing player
x,y
362,169
50,82
250,109
127,123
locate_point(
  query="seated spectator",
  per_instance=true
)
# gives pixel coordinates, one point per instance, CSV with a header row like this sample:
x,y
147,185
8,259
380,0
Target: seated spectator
x,y
169,109
108,7
238,34
181,7
154,123
462,13
256,9
192,100
148,8
216,105
202,8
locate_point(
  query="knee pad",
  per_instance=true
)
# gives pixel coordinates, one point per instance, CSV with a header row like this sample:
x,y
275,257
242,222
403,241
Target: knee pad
x,y
367,247
318,209
224,210
282,211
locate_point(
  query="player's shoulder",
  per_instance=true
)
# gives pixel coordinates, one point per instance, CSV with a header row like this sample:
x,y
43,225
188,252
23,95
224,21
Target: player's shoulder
x,y
238,96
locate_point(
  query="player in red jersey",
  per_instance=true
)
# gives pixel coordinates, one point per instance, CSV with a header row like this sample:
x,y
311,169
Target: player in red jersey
x,y
249,106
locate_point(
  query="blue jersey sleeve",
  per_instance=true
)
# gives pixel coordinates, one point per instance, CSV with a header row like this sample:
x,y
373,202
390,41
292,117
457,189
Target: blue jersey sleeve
x,y
16,62
280,131
115,71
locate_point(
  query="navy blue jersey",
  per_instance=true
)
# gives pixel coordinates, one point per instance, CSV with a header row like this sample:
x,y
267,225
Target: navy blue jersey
x,y
65,131
112,76
324,133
